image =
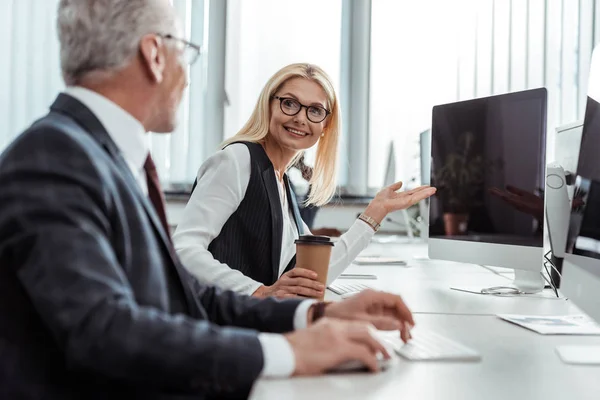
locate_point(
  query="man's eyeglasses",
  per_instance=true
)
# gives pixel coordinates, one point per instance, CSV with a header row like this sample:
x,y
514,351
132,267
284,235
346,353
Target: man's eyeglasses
x,y
290,106
191,51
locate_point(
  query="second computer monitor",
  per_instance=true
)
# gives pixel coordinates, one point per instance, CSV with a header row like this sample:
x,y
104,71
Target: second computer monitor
x,y
581,268
488,164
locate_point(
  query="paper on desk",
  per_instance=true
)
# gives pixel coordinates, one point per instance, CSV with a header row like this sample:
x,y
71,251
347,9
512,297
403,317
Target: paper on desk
x,y
555,324
376,260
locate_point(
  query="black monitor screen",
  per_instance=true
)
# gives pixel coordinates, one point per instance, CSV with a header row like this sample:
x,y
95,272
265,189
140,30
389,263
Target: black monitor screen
x,y
584,226
488,163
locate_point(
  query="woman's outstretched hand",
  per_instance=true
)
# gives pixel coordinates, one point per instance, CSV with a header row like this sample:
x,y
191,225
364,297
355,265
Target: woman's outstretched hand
x,y
389,199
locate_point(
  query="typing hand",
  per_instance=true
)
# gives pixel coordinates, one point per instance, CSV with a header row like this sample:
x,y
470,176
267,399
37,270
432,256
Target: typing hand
x,y
385,311
330,343
297,282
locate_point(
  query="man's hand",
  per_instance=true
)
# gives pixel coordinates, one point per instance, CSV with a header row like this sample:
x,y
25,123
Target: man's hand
x,y
385,311
329,343
297,282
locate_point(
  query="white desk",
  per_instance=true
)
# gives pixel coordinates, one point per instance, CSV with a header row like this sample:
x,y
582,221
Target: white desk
x,y
425,285
516,364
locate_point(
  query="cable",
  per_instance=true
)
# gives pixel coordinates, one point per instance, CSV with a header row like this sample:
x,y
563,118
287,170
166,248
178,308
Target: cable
x,y
553,284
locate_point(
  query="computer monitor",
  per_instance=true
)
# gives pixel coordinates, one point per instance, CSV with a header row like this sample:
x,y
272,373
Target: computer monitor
x,y
566,145
481,149
581,266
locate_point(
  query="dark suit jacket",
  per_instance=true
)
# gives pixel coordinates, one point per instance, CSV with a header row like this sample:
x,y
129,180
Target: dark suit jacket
x,y
93,301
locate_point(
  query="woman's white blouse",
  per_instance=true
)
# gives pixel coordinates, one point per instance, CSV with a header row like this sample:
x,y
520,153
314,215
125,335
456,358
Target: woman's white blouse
x,y
221,187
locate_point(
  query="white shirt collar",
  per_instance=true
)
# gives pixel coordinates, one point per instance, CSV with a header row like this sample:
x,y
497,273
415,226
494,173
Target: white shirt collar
x,y
127,132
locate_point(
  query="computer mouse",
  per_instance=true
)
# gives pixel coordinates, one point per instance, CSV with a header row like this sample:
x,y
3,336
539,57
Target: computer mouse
x,y
357,366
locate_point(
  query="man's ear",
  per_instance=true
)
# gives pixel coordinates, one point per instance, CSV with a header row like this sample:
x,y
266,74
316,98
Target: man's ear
x,y
153,57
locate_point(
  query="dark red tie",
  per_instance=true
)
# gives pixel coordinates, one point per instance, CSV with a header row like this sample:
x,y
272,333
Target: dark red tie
x,y
155,193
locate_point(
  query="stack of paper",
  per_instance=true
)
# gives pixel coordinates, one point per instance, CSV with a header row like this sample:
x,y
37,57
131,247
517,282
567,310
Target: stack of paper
x,y
555,324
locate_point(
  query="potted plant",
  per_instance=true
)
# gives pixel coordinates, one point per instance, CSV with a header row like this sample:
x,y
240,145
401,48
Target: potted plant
x,y
459,182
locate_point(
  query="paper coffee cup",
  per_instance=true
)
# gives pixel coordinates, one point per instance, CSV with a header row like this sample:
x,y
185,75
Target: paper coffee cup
x,y
313,253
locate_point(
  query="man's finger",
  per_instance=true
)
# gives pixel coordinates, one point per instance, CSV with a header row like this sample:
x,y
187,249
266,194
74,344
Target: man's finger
x,y
365,336
405,333
355,351
384,323
395,302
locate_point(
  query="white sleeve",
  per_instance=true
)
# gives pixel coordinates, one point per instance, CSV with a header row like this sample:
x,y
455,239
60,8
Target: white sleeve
x,y
278,355
306,228
279,358
221,187
348,247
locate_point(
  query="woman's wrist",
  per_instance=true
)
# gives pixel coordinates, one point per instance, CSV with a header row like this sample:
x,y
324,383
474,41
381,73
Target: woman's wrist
x,y
375,211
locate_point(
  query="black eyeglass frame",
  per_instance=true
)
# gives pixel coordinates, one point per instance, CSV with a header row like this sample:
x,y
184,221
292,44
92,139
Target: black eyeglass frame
x,y
197,49
281,99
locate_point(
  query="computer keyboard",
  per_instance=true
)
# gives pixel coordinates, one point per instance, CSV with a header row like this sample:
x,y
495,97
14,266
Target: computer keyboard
x,y
429,346
347,288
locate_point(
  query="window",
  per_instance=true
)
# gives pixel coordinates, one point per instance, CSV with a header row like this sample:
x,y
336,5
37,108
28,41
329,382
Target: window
x,y
266,35
413,66
30,75
30,79
421,54
467,49
178,155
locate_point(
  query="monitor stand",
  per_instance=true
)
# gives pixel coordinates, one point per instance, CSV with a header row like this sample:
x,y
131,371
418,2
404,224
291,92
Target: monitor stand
x,y
528,281
524,283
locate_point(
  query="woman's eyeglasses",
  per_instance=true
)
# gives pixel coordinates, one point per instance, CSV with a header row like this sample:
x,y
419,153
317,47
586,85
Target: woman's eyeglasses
x,y
290,106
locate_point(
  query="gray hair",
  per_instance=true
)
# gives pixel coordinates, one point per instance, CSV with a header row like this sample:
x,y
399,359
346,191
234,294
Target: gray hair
x,y
102,36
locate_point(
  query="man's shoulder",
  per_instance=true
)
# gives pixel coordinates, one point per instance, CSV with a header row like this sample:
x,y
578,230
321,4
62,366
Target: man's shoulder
x,y
53,135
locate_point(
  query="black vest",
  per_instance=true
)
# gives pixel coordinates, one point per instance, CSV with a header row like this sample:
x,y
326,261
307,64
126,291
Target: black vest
x,y
250,240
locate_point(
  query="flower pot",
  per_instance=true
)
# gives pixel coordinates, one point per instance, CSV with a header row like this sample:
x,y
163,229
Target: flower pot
x,y
455,224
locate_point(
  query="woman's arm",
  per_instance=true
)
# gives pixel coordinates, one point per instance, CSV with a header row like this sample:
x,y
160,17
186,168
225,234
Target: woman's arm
x,y
222,183
348,247
360,233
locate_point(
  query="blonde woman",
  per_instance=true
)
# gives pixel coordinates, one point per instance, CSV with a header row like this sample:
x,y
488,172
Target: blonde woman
x,y
239,227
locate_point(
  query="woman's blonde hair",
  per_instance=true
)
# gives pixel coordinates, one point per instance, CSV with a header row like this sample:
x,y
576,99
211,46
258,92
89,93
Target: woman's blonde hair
x,y
322,183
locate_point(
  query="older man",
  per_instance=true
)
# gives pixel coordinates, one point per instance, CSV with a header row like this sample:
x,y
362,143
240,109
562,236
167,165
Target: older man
x,y
93,300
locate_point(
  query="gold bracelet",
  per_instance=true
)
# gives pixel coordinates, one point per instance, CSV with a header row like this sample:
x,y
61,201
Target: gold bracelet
x,y
372,223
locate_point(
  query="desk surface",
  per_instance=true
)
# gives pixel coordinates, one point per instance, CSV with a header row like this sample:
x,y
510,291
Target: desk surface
x,y
425,285
516,364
